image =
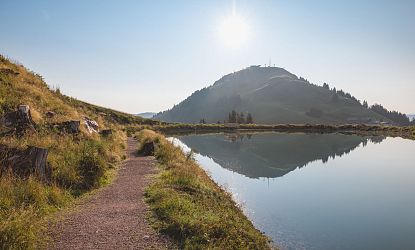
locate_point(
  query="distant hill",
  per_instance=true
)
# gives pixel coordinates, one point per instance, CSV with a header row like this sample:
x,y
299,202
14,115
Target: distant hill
x,y
271,95
148,115
411,117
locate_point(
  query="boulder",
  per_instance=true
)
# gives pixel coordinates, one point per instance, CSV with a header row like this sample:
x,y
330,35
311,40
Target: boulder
x,y
106,132
9,72
71,127
91,125
147,149
24,163
50,114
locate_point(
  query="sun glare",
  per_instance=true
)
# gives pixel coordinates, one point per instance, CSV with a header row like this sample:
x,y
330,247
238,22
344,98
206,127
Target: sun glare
x,y
234,31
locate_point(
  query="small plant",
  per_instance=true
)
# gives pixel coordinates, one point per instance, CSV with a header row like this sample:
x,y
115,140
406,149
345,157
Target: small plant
x,y
190,155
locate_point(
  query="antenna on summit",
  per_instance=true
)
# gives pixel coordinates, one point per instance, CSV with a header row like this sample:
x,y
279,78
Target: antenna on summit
x,y
269,65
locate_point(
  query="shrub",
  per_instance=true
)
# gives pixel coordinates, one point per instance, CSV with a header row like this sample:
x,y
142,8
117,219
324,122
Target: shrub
x,y
91,165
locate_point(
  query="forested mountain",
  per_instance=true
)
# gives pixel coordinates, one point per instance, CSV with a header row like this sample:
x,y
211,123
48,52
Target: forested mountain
x,y
395,116
271,95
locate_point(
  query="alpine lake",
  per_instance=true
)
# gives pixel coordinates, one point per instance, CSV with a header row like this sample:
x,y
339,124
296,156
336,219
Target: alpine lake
x,y
316,191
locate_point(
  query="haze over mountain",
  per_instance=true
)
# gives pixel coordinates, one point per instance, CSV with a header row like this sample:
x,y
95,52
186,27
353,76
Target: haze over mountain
x,y
271,95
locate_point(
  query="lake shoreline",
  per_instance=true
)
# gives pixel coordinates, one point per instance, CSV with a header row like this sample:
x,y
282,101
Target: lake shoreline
x,y
191,208
407,132
302,162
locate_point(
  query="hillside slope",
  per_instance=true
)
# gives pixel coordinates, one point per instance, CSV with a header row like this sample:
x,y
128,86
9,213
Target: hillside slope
x,y
271,95
76,162
19,85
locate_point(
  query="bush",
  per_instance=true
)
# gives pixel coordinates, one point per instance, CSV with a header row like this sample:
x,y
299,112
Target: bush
x,y
91,165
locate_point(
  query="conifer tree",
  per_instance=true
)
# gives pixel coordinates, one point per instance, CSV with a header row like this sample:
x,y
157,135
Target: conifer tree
x,y
249,118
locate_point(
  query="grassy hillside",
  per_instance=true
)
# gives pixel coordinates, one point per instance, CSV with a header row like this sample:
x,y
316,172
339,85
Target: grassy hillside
x,y
272,95
79,162
22,86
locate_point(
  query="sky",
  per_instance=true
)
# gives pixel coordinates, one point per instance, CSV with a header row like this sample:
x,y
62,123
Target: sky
x,y
138,56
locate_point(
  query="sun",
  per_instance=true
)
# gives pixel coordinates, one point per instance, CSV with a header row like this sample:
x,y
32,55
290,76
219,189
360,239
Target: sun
x,y
234,31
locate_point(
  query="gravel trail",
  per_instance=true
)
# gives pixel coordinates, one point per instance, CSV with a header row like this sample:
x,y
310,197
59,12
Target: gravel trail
x,y
116,217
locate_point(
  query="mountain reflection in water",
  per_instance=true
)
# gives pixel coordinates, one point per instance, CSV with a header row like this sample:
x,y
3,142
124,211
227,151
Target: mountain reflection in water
x,y
261,155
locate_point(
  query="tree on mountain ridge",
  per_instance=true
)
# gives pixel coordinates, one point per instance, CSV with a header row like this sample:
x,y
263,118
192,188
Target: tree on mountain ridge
x,y
249,119
234,117
394,116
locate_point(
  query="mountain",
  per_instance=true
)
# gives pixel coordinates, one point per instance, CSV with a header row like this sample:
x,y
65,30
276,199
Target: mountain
x,y
411,117
148,115
271,95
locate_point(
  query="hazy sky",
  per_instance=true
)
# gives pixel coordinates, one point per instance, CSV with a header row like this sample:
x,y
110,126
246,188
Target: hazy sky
x,y
140,56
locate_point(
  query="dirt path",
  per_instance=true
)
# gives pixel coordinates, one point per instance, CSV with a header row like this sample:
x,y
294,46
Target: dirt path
x,y
116,216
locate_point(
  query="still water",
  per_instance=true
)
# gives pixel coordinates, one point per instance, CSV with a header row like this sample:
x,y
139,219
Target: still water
x,y
317,191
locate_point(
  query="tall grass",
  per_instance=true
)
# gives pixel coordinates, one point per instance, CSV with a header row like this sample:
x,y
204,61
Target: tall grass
x,y
191,208
22,205
79,164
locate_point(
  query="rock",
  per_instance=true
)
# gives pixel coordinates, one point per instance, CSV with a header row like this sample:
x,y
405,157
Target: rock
x,y
106,132
50,114
71,127
9,72
23,163
91,125
19,121
147,149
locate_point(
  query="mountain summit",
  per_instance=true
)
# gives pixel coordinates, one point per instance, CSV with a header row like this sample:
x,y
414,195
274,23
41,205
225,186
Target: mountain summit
x,y
271,95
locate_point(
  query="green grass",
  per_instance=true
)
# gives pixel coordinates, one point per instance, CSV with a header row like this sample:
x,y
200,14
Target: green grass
x,y
191,208
23,205
79,164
